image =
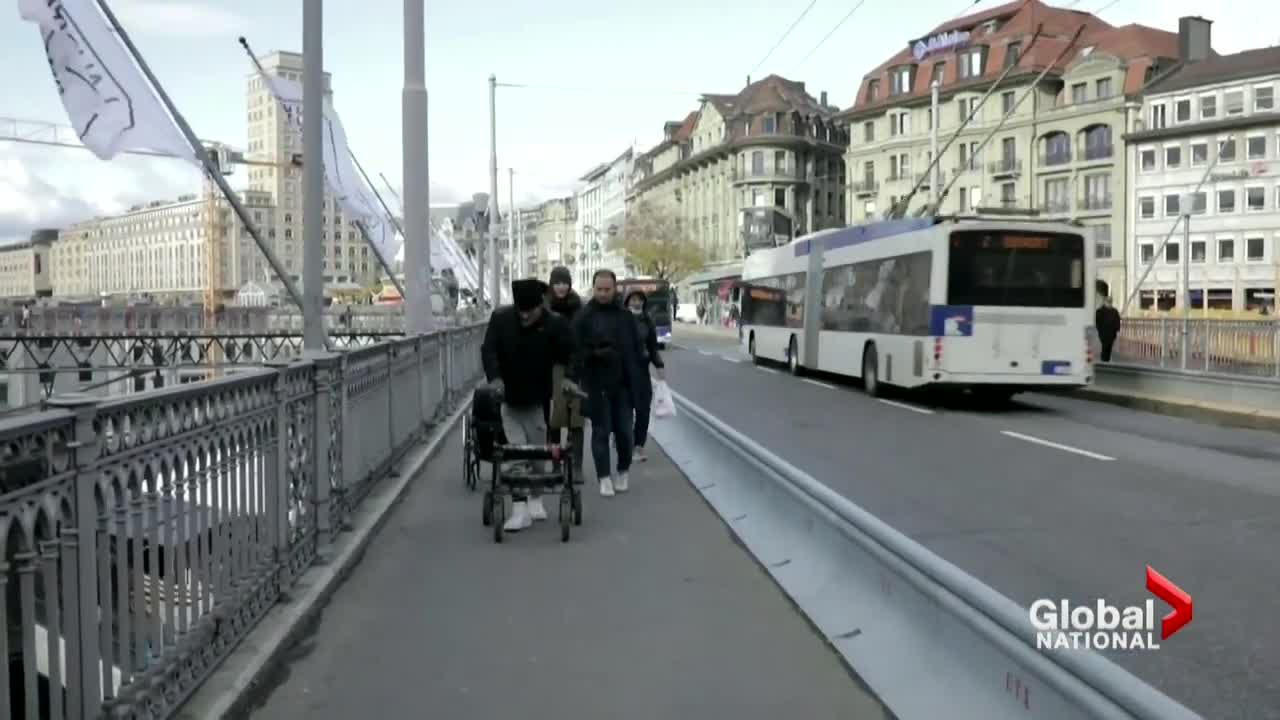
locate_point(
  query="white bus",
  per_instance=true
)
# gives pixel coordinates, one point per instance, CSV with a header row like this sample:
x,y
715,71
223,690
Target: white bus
x,y
993,305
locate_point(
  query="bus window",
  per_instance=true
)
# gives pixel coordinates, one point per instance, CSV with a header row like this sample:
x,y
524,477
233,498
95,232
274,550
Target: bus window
x,y
1016,269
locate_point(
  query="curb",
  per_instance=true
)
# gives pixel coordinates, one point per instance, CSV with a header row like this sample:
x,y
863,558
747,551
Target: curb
x,y
1189,409
233,689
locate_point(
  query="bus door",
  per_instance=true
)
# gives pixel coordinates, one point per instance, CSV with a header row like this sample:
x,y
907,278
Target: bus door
x,y
1015,304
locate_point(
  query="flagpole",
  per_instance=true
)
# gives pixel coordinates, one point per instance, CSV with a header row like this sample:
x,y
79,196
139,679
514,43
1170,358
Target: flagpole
x,y
364,233
202,155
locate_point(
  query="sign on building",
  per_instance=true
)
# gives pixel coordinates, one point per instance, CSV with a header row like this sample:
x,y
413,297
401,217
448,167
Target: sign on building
x,y
941,42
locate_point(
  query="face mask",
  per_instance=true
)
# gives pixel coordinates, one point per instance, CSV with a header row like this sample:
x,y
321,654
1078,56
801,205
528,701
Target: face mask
x,y
636,310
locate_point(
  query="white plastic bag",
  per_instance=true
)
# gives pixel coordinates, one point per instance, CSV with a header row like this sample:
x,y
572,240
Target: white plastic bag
x,y
664,406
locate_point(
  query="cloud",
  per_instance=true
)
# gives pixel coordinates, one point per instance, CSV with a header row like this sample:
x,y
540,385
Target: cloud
x,y
42,187
187,19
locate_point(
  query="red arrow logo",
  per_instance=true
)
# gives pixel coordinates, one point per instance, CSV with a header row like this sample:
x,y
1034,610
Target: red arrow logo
x,y
1163,588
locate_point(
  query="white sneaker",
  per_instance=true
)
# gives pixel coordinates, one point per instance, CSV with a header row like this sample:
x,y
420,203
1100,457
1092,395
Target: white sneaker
x,y
622,482
536,509
639,456
519,519
606,487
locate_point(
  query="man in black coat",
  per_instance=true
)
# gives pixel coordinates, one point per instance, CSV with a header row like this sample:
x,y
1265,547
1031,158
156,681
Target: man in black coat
x,y
566,410
1107,320
607,362
523,345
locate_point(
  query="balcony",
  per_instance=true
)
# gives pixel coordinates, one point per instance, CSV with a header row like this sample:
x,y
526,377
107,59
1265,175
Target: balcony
x,y
1005,167
1096,152
866,187
1055,206
1055,158
768,174
1096,202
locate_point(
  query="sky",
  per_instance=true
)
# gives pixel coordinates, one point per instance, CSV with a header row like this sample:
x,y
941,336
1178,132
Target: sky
x,y
607,75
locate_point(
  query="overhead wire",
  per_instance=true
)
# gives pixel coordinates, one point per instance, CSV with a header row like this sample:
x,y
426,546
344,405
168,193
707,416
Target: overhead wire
x,y
776,45
827,37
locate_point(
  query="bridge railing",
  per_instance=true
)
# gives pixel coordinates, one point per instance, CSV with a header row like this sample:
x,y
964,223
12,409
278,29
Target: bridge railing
x,y
1234,347
142,537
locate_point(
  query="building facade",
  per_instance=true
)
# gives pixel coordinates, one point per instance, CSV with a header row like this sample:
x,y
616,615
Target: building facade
x,y
602,213
1210,105
770,151
158,249
1052,147
272,139
550,231
24,267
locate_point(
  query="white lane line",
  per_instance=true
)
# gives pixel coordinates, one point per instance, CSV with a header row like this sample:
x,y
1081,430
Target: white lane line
x,y
819,384
733,359
904,406
1058,446
768,370
708,353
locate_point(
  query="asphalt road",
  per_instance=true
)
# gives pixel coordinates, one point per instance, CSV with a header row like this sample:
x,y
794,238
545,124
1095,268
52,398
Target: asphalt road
x,y
650,612
1053,497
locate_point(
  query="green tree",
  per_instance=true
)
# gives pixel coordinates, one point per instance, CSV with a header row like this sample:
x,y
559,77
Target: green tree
x,y
656,245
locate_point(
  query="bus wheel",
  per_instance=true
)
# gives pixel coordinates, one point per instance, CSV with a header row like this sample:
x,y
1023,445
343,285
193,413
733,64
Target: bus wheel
x,y
793,358
870,372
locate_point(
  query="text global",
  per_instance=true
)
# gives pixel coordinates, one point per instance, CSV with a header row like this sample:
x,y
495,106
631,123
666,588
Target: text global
x,y
1063,626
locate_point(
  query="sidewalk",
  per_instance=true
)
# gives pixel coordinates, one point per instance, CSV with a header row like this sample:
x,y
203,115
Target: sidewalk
x,y
704,331
651,611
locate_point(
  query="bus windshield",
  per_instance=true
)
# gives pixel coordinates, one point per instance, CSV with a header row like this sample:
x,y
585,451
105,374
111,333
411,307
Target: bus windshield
x,y
1016,269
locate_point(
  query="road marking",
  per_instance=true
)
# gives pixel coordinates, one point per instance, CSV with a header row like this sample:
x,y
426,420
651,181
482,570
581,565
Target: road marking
x,y
819,384
733,359
905,406
708,353
768,370
1059,446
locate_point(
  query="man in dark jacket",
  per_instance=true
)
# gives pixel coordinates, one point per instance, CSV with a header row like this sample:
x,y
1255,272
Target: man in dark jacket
x,y
1107,320
566,410
637,304
522,347
606,352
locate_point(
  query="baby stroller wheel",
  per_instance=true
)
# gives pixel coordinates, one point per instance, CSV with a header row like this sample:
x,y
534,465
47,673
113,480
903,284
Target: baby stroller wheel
x,y
499,517
468,452
487,509
566,516
577,506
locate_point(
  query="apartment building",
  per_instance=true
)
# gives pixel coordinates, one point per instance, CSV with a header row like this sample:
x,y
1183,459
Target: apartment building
x,y
24,267
601,204
271,138
1055,146
1223,105
749,169
159,249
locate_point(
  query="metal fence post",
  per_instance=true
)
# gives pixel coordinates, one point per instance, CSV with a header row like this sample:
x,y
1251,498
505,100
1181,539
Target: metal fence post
x,y
420,383
278,479
321,491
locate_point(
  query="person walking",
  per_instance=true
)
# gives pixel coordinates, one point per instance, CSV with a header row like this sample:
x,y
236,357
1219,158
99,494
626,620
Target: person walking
x,y
566,410
647,333
606,353
1107,320
523,345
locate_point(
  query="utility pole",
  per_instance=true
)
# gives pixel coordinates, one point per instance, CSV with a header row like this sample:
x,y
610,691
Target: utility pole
x,y
515,267
418,317
313,330
494,219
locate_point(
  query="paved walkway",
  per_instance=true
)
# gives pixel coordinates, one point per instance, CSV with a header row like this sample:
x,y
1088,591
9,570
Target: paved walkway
x,y
650,612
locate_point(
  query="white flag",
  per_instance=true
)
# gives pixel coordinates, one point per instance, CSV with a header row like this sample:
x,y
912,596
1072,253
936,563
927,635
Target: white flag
x,y
347,187
108,101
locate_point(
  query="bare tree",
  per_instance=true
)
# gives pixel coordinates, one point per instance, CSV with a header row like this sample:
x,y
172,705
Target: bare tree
x,y
657,245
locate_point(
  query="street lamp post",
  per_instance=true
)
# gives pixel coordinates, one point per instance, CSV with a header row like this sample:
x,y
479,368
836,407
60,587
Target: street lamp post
x,y
313,330
419,317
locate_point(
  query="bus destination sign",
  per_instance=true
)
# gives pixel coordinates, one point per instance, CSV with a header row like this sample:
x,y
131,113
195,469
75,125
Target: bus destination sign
x,y
1025,242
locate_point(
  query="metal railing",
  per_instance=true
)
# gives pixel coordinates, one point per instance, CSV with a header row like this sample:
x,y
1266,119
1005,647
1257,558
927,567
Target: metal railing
x,y
144,536
1233,347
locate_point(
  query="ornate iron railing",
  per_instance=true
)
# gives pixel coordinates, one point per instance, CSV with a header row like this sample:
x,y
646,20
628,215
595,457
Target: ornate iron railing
x,y
141,538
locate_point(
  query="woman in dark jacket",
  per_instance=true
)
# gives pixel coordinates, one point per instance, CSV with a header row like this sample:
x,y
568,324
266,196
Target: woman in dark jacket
x,y
566,412
637,303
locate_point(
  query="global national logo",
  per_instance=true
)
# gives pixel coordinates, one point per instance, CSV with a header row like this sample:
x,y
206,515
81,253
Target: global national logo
x,y
1063,625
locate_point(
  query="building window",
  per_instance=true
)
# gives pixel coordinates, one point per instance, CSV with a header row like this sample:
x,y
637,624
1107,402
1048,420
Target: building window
x,y
769,125
1226,250
1057,195
1198,203
757,162
970,63
1171,206
873,90
1103,88
1057,148
1182,110
1173,157
1227,150
1255,248
1197,251
936,75
1012,53
1008,194
968,156
1157,117
1199,153
780,198
1233,102
900,124
1208,107
1097,191
1171,254
1079,93
966,106
1097,141
1146,207
1264,98
901,81
1147,252
1147,158
1006,102
1255,199
869,131
1227,200
1256,147
1102,241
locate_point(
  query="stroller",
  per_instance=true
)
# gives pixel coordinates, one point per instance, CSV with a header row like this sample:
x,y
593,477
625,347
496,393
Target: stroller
x,y
485,441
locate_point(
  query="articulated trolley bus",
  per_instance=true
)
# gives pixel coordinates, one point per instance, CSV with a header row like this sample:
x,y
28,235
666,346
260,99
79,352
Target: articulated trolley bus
x,y
995,305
